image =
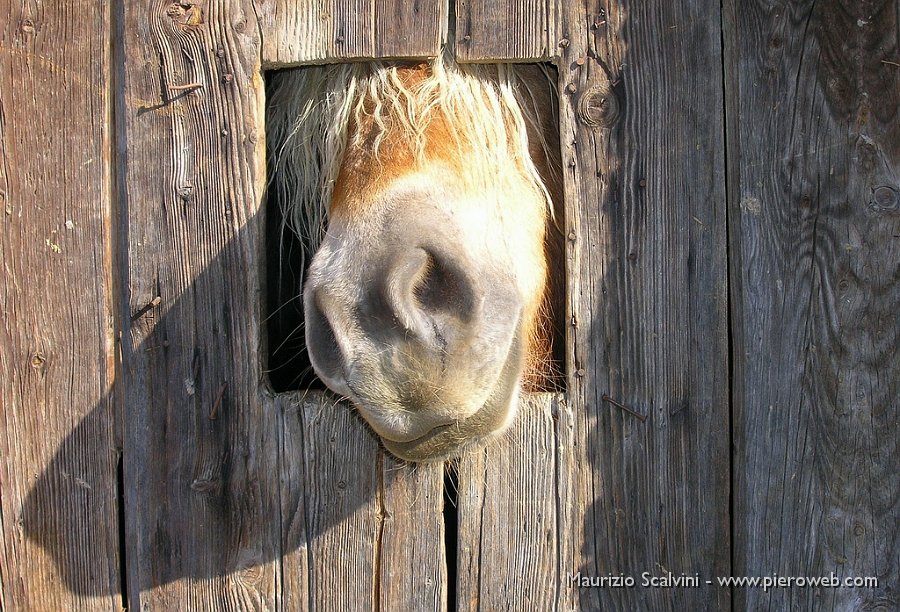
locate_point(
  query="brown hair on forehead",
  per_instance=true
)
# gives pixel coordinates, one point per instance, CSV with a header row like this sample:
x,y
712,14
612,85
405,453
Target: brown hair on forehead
x,y
365,171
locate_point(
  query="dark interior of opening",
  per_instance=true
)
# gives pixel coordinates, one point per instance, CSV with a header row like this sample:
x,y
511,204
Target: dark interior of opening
x,y
289,367
451,529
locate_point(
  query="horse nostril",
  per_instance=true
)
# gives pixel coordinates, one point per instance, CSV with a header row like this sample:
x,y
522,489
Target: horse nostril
x,y
324,350
444,288
425,292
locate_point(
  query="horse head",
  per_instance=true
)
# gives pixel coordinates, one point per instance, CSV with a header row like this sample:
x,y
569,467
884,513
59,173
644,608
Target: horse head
x,y
424,296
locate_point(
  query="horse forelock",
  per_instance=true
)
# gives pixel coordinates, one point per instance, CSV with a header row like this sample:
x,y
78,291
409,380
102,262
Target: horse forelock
x,y
378,120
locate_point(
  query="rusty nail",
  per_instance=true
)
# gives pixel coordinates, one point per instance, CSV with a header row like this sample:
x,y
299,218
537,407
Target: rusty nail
x,y
215,409
146,308
631,411
186,87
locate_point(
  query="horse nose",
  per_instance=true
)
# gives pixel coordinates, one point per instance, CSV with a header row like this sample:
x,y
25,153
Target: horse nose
x,y
410,307
429,292
325,351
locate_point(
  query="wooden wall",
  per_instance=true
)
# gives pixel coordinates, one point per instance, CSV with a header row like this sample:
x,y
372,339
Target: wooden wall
x,y
814,194
732,255
59,430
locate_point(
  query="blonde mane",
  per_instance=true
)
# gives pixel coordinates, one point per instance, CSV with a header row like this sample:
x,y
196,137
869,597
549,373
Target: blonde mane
x,y
315,114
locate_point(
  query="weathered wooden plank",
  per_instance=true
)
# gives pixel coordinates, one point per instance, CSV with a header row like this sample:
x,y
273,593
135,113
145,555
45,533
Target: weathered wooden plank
x,y
643,146
58,514
412,556
201,437
360,531
507,30
815,150
315,32
514,514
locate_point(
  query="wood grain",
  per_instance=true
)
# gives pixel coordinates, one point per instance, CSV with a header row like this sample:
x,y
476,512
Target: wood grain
x,y
201,436
58,517
518,31
309,32
815,149
643,148
359,530
412,557
515,514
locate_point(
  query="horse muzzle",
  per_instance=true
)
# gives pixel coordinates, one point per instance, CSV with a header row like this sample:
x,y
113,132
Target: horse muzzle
x,y
424,338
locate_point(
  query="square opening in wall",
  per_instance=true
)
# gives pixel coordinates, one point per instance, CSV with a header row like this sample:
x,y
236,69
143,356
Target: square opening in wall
x,y
414,219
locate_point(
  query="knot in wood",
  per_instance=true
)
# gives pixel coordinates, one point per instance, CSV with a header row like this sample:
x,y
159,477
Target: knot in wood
x,y
208,486
250,576
185,13
598,107
186,192
885,199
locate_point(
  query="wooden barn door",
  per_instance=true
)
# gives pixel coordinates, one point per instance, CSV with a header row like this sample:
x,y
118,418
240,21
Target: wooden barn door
x,y
731,184
814,209
59,430
236,498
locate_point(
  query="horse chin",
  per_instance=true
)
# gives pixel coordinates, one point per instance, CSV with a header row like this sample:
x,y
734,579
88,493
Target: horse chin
x,y
452,440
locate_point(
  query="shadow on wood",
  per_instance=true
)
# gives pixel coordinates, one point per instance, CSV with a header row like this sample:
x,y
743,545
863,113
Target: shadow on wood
x,y
219,481
815,148
65,510
643,139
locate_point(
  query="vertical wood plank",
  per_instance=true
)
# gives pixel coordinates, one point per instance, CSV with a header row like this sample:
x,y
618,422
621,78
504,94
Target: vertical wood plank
x,y
412,556
514,514
815,147
58,515
507,30
330,473
201,438
311,31
360,531
643,149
